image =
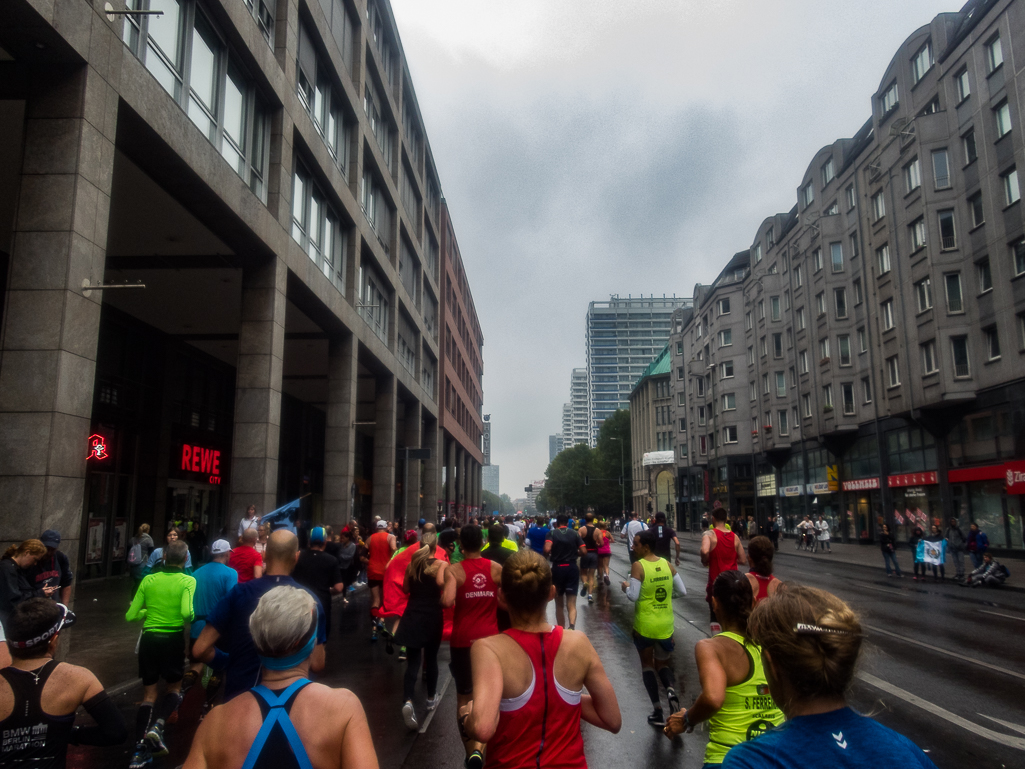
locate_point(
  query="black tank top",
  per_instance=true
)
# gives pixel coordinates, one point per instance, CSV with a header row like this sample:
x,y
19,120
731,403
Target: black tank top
x,y
30,737
589,538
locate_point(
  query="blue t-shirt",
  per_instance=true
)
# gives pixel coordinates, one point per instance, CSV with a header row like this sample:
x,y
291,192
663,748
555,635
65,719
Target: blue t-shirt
x,y
840,738
537,535
230,617
213,582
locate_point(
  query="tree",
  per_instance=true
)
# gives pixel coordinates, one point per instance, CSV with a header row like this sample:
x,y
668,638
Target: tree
x,y
565,484
492,504
612,460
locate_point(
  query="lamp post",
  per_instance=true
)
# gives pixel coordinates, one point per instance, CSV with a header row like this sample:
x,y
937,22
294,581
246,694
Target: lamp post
x,y
622,476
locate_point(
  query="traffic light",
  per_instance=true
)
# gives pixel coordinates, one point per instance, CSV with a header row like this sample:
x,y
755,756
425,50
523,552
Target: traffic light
x,y
587,480
621,480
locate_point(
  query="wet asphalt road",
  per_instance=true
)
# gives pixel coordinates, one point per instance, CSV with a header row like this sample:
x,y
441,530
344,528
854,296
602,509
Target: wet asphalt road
x,y
943,665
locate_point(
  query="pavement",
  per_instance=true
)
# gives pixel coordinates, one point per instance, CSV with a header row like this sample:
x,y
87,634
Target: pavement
x,y
942,664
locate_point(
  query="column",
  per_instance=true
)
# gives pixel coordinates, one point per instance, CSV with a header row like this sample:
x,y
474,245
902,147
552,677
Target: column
x,y
384,447
432,469
450,476
261,346
50,334
411,474
339,433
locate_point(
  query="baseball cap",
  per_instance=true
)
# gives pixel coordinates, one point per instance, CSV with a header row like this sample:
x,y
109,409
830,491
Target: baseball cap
x,y
421,522
411,536
220,547
382,524
316,535
50,538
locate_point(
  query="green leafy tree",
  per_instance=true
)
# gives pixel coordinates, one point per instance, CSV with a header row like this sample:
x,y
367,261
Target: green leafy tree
x,y
492,503
612,460
565,484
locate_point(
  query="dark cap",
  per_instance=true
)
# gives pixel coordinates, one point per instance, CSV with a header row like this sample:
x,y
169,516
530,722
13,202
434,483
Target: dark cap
x,y
50,538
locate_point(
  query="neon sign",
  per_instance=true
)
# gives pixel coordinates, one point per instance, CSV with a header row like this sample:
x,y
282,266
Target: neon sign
x,y
97,447
196,459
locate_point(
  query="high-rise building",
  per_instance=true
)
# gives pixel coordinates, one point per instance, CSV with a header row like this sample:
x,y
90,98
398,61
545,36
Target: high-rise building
x,y
579,425
554,446
490,480
622,337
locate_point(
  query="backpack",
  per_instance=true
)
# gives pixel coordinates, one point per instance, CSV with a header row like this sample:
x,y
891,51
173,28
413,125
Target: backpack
x,y
135,554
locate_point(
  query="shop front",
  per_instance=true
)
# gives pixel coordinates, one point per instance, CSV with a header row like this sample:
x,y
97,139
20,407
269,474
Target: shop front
x,y
916,503
863,498
993,497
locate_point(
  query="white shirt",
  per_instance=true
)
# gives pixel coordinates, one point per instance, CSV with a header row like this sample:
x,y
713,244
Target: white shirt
x,y
632,529
248,523
823,528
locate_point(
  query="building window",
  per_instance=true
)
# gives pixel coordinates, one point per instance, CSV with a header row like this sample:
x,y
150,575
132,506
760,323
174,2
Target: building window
x,y
922,62
701,415
765,384
802,361
847,398
781,384
827,397
800,318
783,422
1011,192
994,54
964,88
729,402
808,194
862,340
816,258
824,349
849,194
917,230
726,338
929,363
971,153
985,276
959,355
729,434
836,256
752,391
912,176
893,371
866,389
923,293
727,369
1021,331
1002,114
941,169
316,227
761,309
820,303
1018,257
883,259
724,306
978,214
878,206
747,321
886,311
827,172
786,299
992,343
319,99
888,101
758,252
952,284
948,235
806,404
777,345
750,356
764,349
858,296
702,445
843,343
774,309
374,300
840,300
798,275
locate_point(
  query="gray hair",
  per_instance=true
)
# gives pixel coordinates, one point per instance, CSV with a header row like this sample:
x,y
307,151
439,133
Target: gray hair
x,y
282,621
176,553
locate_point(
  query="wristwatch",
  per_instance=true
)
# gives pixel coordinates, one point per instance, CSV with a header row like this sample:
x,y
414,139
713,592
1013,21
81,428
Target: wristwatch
x,y
687,725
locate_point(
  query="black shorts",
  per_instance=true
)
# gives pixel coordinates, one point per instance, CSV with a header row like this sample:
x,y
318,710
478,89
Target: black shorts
x,y
372,583
161,655
566,578
462,670
589,561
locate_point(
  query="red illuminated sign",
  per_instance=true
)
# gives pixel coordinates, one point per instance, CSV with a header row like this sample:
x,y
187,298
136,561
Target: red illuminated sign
x,y
97,447
196,459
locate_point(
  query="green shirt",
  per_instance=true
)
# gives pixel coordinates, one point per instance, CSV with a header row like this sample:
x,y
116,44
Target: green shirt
x,y
653,617
164,601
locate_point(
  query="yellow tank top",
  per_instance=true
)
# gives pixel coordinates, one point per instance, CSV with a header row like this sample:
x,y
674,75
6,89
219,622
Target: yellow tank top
x,y
653,617
747,711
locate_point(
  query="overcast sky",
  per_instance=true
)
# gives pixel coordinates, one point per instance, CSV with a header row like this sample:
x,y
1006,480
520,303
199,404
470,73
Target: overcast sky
x,y
592,147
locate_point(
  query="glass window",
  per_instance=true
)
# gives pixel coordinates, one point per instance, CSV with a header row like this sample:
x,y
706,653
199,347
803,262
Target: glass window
x,y
836,256
959,355
800,318
843,343
806,404
847,398
941,169
964,88
783,421
893,371
827,172
878,206
774,307
729,402
923,293
971,153
922,62
727,369
726,338
827,397
802,361
808,194
929,364
978,214
724,306
952,283
817,259
858,296
824,348
912,176
820,303
1002,113
1018,257
840,299
992,339
994,54
883,259
917,229
886,309
798,276
849,193
866,389
781,384
985,276
1011,192
889,98
862,340
948,236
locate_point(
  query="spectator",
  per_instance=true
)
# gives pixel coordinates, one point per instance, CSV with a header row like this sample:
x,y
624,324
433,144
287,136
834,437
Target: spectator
x,y
774,531
811,641
39,696
54,568
978,544
824,534
228,623
245,559
327,725
262,532
957,544
348,563
759,555
937,552
251,521
15,576
496,550
318,572
990,573
139,551
889,549
156,558
913,540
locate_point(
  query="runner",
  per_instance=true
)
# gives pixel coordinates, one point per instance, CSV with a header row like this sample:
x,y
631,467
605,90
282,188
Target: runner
x,y
245,558
319,573
471,586
759,553
348,562
39,697
632,528
589,561
652,586
604,553
665,538
528,682
720,551
497,550
734,695
563,546
164,601
156,557
537,534
381,546
316,726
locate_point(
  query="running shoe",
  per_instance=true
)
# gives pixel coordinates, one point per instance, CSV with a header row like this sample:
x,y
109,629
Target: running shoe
x,y
590,598
155,740
583,591
475,760
141,758
657,719
432,702
409,716
607,580
373,634
402,654
674,701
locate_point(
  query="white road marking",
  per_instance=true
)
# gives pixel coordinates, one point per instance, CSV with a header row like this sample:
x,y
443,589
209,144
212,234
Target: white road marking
x,y
1008,724
998,614
441,695
936,710
949,653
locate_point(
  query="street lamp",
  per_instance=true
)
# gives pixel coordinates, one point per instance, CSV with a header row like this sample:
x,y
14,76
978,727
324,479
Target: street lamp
x,y
622,476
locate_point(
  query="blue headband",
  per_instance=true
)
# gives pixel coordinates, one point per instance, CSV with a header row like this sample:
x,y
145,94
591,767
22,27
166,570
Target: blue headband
x,y
284,663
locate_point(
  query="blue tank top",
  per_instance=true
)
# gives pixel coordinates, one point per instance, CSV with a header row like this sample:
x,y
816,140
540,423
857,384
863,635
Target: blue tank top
x,y
277,745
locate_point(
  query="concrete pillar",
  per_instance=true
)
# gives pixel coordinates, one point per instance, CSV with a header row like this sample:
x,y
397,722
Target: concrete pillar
x,y
450,476
411,475
432,469
460,478
261,347
339,433
384,448
50,333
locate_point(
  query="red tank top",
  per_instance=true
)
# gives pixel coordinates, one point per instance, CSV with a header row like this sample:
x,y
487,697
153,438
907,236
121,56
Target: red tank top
x,y
380,554
476,614
723,556
540,729
763,586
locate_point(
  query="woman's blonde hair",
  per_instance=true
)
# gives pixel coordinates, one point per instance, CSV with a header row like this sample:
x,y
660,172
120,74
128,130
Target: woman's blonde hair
x,y
428,544
813,638
28,547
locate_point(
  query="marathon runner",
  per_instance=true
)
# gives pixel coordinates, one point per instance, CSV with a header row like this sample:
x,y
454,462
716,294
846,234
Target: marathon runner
x,y
563,546
471,586
381,546
528,682
665,538
604,553
537,534
652,586
589,560
631,529
720,551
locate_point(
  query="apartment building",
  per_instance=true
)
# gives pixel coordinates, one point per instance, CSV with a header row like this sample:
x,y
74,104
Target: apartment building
x,y
879,375
653,464
262,169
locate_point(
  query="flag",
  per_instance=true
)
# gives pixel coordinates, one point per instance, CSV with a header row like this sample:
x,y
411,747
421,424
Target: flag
x,y
932,552
284,517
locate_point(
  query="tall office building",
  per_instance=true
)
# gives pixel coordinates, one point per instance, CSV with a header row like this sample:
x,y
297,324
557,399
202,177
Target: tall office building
x,y
490,480
580,430
623,335
554,446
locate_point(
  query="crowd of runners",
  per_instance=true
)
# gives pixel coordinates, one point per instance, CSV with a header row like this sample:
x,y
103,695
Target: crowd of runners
x,y
249,628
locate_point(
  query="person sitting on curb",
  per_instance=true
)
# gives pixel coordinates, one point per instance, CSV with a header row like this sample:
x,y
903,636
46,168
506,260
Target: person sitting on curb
x,y
991,573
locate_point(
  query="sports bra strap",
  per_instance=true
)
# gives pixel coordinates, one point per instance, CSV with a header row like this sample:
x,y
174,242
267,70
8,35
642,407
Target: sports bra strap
x,y
278,714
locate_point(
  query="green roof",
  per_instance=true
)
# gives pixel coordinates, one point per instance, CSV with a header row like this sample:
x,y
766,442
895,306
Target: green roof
x,y
657,367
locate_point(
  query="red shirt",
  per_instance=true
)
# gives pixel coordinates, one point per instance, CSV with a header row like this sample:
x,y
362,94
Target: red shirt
x,y
722,557
476,607
541,728
380,554
244,559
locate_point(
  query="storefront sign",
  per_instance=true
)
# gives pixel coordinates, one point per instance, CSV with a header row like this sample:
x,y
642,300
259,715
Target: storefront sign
x,y
987,473
1014,477
196,459
791,491
720,488
98,447
819,488
766,485
94,541
658,458
912,479
832,476
861,484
